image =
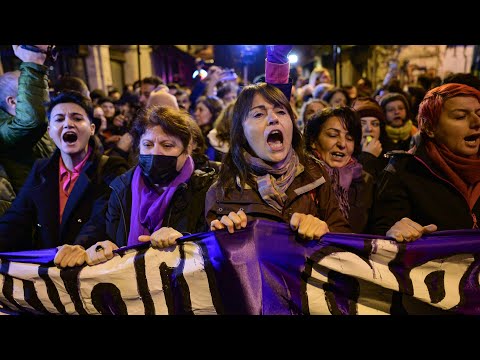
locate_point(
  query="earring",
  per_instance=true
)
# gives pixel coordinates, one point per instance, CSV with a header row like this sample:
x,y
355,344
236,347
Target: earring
x,y
429,133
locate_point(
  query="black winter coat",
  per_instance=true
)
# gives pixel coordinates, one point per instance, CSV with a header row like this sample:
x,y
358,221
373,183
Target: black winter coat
x,y
32,222
185,212
412,186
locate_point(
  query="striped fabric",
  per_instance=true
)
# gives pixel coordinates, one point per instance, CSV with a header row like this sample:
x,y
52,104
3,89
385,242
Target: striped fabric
x,y
262,269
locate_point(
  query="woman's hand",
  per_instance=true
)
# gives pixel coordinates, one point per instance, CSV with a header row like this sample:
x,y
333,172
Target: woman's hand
x,y
70,256
374,147
119,120
408,230
100,252
162,238
125,142
309,227
233,221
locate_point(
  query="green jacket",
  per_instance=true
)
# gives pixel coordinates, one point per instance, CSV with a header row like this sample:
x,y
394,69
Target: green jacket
x,y
24,137
7,195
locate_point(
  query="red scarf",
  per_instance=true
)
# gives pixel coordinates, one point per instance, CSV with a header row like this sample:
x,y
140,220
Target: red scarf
x,y
462,172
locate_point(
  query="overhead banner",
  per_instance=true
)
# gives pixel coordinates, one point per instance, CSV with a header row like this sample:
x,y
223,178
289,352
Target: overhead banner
x,y
262,269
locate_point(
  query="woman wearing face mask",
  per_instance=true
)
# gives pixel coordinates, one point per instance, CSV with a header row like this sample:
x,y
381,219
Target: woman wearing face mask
x,y
265,174
162,198
333,137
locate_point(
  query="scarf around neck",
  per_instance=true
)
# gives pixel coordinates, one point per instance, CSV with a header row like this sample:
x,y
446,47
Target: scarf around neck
x,y
272,189
402,132
149,205
341,179
464,173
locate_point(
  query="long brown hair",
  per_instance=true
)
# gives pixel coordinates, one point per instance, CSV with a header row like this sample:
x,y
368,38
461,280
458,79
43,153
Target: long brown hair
x,y
234,163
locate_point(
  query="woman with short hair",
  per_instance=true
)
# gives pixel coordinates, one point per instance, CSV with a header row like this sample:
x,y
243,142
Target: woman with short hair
x,y
437,186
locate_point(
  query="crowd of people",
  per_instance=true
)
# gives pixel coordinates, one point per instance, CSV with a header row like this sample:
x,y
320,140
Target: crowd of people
x,y
91,172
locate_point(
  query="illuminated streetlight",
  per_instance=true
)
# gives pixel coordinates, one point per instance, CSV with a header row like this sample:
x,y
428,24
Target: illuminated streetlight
x,y
203,74
292,58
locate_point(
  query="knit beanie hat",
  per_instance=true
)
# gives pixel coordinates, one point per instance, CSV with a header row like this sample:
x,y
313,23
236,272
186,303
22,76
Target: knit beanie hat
x,y
369,108
392,97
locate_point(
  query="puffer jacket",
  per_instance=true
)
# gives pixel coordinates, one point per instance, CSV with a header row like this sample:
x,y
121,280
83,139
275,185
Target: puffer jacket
x,y
7,195
24,137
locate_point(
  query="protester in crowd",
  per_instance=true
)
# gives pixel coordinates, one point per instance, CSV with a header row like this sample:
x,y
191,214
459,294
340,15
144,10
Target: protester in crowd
x,y
162,97
364,87
351,91
333,137
319,75
309,108
148,85
64,197
71,83
115,128
183,100
23,121
321,89
416,95
374,135
463,78
129,106
163,197
100,122
437,186
123,145
207,109
228,93
96,95
265,174
219,136
109,109
399,126
173,87
199,148
210,84
114,94
336,97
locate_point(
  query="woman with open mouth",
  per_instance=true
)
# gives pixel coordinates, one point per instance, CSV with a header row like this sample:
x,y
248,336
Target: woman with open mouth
x,y
437,186
333,137
399,126
265,174
64,196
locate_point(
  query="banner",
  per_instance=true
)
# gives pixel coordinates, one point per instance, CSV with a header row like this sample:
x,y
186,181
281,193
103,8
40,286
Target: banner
x,y
262,269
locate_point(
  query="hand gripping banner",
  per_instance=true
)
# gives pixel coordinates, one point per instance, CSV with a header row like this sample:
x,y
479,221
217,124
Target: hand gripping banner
x,y
262,269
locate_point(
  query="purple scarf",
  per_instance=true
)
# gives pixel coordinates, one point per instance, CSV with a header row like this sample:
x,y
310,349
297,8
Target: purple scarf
x,y
341,180
149,205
